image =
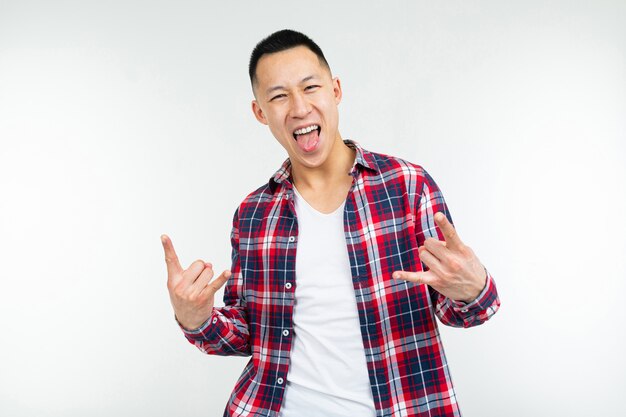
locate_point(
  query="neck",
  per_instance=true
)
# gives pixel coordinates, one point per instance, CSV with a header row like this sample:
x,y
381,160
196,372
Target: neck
x,y
334,169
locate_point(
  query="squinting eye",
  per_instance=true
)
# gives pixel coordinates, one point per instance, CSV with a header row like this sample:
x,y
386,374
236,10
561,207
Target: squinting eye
x,y
277,97
311,87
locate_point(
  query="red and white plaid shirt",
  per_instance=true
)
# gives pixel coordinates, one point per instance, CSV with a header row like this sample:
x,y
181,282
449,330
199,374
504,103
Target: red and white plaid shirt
x,y
388,213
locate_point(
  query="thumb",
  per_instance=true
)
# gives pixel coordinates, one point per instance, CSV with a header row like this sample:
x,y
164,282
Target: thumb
x,y
418,277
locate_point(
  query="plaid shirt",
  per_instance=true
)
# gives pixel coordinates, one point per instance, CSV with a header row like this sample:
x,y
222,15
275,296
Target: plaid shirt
x,y
389,212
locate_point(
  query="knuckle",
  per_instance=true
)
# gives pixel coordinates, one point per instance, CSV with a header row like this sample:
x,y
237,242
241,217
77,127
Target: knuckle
x,y
180,289
455,265
205,296
190,275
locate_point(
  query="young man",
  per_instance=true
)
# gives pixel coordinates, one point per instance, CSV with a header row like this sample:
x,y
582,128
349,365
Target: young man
x,y
340,264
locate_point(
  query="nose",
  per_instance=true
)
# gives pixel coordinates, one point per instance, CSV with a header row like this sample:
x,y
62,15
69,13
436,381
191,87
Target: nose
x,y
300,106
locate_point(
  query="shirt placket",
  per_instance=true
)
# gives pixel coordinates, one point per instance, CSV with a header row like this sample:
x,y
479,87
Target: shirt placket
x,y
282,326
360,278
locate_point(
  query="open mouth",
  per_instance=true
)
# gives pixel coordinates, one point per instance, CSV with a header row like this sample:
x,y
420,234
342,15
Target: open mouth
x,y
306,131
308,137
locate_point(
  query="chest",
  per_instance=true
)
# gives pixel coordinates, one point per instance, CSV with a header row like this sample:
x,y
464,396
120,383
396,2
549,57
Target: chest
x,y
376,226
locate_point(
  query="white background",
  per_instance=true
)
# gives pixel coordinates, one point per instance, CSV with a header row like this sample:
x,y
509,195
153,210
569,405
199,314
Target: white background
x,y
120,121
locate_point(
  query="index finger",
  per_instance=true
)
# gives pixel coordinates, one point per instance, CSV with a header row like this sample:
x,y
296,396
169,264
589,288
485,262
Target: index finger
x,y
171,259
449,232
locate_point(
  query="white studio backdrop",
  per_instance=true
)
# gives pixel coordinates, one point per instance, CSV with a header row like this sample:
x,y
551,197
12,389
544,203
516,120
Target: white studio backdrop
x,y
120,121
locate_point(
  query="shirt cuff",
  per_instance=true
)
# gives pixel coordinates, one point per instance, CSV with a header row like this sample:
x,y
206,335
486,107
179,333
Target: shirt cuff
x,y
204,331
481,301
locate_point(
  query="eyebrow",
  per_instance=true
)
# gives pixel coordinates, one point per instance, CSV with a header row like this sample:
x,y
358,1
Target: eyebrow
x,y
280,87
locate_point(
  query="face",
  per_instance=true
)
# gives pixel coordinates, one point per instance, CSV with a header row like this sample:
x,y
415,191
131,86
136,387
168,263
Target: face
x,y
297,98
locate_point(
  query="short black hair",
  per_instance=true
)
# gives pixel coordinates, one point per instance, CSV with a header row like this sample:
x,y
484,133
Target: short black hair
x,y
281,41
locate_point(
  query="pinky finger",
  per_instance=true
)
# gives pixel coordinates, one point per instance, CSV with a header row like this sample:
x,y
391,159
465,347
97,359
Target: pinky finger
x,y
213,286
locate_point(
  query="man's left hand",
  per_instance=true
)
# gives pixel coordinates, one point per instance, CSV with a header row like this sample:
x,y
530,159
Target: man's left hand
x,y
454,269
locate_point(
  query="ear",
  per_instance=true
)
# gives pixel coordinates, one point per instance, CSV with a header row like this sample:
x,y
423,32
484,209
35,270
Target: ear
x,y
258,112
337,90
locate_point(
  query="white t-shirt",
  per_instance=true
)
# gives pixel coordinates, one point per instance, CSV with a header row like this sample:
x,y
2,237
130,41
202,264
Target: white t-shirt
x,y
327,372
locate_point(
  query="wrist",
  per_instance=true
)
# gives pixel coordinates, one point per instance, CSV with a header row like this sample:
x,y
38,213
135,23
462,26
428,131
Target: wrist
x,y
478,288
191,326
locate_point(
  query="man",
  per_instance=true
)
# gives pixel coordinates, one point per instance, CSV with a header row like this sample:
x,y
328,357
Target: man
x,y
340,264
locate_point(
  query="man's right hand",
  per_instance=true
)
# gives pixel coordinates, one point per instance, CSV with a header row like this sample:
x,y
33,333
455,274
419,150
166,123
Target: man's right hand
x,y
191,290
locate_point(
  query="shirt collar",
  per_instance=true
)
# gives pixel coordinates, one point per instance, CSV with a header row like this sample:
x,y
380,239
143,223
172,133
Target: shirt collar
x,y
363,159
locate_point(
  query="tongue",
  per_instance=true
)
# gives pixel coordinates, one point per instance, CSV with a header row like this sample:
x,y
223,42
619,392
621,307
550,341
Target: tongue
x,y
308,141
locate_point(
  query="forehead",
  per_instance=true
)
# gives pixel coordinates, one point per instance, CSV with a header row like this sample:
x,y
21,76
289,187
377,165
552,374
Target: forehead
x,y
288,66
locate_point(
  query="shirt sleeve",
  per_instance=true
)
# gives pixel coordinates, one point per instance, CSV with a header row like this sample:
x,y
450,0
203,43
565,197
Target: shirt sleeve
x,y
226,331
451,312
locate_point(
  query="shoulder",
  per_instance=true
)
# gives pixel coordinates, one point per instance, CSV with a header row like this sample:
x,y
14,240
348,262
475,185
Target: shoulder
x,y
395,168
264,193
257,203
388,163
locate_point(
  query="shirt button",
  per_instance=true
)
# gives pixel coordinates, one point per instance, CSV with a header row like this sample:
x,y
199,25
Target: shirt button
x,y
280,381
464,310
292,239
214,320
285,332
288,285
